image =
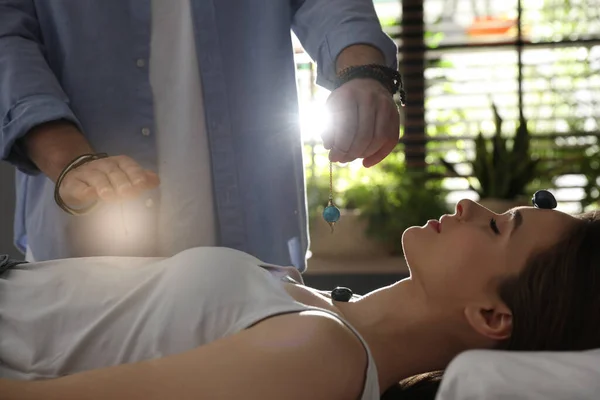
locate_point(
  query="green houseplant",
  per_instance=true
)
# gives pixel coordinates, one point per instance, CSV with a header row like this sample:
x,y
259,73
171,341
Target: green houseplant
x,y
400,198
377,205
590,168
502,171
349,239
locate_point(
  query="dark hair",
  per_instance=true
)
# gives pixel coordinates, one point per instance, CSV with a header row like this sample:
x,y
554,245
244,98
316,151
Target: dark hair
x,y
556,297
554,301
421,387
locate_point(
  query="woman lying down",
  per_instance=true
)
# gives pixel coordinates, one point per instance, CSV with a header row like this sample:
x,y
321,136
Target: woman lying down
x,y
214,323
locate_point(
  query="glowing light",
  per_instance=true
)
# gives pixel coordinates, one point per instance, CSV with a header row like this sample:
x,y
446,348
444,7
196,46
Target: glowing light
x,y
314,121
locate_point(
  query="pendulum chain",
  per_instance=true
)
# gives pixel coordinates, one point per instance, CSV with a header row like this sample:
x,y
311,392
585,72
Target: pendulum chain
x,y
331,213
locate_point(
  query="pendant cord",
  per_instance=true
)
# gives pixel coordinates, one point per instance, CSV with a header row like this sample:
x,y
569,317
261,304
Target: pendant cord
x,y
331,213
330,181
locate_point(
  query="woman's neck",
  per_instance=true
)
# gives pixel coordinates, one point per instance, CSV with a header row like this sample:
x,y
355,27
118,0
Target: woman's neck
x,y
405,337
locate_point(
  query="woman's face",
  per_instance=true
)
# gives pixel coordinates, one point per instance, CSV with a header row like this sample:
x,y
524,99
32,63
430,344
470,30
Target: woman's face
x,y
465,255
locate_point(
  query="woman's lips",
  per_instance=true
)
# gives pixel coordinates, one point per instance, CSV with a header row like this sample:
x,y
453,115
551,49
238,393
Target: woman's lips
x,y
435,225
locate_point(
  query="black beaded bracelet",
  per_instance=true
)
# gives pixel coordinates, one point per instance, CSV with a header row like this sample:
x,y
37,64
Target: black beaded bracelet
x,y
388,77
78,162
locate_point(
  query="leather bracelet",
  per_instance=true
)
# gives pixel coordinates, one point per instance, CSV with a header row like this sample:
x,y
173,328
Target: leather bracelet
x,y
77,162
388,77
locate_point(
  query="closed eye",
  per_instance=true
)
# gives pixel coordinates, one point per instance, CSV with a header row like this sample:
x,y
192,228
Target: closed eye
x,y
494,226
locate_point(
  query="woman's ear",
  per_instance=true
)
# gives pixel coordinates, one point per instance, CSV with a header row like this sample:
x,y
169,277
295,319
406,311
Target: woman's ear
x,y
491,321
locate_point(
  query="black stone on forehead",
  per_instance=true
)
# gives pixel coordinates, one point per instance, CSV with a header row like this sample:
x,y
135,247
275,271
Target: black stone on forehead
x,y
544,199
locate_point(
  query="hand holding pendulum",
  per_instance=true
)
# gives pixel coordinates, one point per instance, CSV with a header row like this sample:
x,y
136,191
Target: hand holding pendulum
x,y
331,213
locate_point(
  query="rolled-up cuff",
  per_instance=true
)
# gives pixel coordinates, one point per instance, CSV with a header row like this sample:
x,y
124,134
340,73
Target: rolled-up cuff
x,y
348,35
24,116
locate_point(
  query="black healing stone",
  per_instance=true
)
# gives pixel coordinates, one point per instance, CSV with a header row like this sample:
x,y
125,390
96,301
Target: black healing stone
x,y
544,199
341,293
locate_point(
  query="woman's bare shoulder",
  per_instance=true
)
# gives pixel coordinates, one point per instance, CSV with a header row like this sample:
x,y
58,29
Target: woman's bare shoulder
x,y
328,353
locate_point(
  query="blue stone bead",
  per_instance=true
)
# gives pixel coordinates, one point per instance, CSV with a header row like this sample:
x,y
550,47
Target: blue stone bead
x,y
331,214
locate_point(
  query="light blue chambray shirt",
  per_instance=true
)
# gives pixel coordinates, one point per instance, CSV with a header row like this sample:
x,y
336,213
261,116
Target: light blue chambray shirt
x,y
86,61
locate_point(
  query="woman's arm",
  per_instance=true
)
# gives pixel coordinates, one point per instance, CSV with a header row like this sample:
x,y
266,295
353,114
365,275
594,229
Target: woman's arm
x,y
295,356
16,390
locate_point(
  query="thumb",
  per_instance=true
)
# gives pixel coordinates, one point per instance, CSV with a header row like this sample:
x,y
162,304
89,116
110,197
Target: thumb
x,y
152,179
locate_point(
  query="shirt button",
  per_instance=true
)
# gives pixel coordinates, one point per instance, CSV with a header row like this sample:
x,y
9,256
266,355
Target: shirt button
x,y
149,203
141,63
146,131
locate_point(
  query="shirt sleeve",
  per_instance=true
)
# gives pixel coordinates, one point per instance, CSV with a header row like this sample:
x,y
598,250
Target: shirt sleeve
x,y
326,27
30,93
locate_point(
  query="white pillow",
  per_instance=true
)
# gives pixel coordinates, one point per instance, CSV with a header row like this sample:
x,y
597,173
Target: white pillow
x,y
489,374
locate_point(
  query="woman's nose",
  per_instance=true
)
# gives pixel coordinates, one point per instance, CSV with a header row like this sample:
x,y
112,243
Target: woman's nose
x,y
468,209
463,206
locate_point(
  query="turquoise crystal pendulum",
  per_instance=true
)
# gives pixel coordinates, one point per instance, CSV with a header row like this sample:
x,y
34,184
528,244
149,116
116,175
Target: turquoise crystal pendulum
x,y
331,213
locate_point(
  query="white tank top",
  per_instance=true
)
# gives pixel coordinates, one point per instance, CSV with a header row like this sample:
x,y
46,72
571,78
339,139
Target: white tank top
x,y
66,316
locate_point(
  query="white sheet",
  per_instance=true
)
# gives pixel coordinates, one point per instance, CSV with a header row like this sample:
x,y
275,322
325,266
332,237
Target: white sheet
x,y
499,375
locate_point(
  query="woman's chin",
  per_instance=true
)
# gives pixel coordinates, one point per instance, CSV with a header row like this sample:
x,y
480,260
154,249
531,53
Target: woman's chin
x,y
409,236
408,232
412,241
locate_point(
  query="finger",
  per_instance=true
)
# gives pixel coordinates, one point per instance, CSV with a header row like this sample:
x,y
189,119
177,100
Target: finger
x,y
391,130
344,116
143,179
152,179
134,172
381,154
364,133
327,136
386,127
148,180
139,179
75,192
117,178
119,181
100,182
